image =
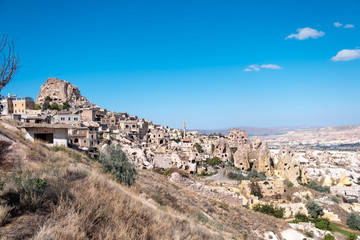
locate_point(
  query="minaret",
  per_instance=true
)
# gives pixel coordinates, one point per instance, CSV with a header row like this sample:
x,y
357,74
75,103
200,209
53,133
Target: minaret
x,y
184,129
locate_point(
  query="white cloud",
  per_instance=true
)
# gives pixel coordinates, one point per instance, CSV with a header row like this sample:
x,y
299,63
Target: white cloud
x,y
347,55
270,66
349,26
305,33
252,68
337,24
256,67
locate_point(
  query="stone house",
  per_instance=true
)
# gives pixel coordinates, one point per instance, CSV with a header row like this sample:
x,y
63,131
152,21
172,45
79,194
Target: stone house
x,y
84,137
268,187
52,134
66,117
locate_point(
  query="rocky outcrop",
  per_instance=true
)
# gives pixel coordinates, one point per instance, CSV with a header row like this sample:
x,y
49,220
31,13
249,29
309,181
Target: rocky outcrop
x,y
263,161
218,194
241,157
223,151
238,137
287,166
61,91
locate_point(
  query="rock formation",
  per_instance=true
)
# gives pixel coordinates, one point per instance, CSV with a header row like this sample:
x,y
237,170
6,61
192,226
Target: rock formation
x,y
287,166
61,91
223,151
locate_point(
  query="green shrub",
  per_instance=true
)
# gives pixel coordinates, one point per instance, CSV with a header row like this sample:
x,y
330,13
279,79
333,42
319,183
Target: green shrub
x,y
335,199
300,217
317,187
288,183
329,237
309,234
269,209
314,209
213,161
256,175
322,223
352,236
30,191
199,148
235,176
353,221
54,106
114,161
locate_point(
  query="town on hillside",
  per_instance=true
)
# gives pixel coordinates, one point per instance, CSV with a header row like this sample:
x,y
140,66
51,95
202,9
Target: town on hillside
x,y
60,115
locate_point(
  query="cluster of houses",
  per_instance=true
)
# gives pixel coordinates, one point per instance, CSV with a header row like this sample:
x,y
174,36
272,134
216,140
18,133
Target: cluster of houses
x,y
86,128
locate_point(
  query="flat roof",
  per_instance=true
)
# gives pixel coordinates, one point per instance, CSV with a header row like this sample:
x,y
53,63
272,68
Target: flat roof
x,y
44,125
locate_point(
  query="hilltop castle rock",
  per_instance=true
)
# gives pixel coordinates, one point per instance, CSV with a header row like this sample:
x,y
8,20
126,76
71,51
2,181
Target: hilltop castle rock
x,y
61,91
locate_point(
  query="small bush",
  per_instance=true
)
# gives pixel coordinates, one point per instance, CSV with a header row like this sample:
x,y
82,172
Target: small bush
x,y
317,187
114,161
309,234
334,199
353,221
199,148
329,237
236,176
314,209
213,161
201,217
300,217
288,183
256,175
352,236
322,223
269,209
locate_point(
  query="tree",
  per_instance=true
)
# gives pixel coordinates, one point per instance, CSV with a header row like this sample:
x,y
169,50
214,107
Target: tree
x,y
353,221
314,209
46,105
114,161
9,61
37,106
54,106
199,148
65,106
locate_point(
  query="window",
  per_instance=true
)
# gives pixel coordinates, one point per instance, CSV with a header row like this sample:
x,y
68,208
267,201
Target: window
x,y
69,118
62,118
75,118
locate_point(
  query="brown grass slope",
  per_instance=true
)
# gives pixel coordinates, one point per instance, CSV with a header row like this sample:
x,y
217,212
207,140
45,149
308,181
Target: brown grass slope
x,y
81,202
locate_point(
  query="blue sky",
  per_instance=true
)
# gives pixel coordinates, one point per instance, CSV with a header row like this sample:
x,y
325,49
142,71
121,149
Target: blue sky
x,y
172,60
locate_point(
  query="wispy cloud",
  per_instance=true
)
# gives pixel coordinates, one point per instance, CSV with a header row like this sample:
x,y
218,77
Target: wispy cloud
x,y
270,66
252,68
349,26
346,55
337,24
256,67
305,33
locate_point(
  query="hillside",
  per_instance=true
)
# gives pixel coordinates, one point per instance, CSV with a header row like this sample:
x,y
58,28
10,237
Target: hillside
x,y
58,193
325,136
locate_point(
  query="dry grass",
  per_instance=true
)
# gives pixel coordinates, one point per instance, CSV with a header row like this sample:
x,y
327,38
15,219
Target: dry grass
x,y
4,214
102,210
